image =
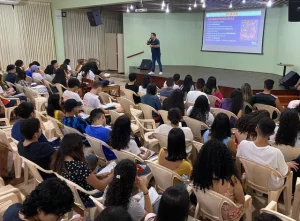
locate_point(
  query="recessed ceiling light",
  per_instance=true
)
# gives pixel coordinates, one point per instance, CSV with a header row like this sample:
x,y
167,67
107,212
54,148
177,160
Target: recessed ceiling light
x,y
203,5
163,4
269,4
127,10
230,6
195,5
131,7
244,1
167,9
190,8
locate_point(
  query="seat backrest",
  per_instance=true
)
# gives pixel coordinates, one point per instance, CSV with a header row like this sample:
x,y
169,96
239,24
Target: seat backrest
x,y
30,94
141,94
59,88
147,110
57,126
28,79
125,104
70,130
97,146
105,97
212,100
164,116
272,209
9,84
268,108
48,85
289,153
162,98
296,203
6,201
129,94
246,104
87,109
260,182
211,202
142,129
98,204
34,169
196,126
20,88
123,154
197,145
114,116
188,104
164,177
162,139
216,111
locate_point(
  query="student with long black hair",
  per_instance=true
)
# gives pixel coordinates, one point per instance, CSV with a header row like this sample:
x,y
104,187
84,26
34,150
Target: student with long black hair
x,y
54,108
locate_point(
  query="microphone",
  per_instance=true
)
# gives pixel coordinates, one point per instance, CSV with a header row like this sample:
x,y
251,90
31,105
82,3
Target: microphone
x,y
149,40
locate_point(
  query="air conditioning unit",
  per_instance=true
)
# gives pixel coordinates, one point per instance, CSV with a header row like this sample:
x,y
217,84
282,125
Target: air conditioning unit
x,y
10,2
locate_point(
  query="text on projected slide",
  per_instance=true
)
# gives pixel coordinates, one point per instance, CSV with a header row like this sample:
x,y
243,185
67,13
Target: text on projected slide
x,y
239,29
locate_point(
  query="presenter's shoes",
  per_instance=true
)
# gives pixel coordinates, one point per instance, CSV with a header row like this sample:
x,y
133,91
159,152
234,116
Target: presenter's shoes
x,y
160,73
151,73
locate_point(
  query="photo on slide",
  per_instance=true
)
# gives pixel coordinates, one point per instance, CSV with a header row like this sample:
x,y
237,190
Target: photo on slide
x,y
249,30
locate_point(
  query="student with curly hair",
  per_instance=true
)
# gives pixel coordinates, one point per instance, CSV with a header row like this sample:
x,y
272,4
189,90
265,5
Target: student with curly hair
x,y
43,203
246,125
215,170
174,205
120,191
201,110
288,130
220,130
69,161
120,138
114,213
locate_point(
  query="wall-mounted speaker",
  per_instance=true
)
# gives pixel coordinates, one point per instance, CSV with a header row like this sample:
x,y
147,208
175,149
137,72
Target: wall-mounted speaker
x,y
94,17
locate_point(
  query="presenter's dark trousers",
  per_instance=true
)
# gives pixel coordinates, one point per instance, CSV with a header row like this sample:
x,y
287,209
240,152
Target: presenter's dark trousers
x,y
154,59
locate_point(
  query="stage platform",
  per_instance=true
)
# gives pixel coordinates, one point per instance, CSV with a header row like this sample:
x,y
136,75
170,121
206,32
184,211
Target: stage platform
x,y
226,79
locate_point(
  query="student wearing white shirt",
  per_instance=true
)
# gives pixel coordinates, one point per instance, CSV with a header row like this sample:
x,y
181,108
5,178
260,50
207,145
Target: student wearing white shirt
x,y
92,99
261,152
72,92
176,78
146,82
193,95
87,73
174,116
67,62
36,73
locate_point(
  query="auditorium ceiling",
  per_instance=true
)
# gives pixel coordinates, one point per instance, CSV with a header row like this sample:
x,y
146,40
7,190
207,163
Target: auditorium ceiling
x,y
183,5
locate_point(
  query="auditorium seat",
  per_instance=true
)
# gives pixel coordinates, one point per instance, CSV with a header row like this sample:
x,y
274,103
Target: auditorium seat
x,y
213,99
8,200
196,126
271,208
216,111
268,108
129,94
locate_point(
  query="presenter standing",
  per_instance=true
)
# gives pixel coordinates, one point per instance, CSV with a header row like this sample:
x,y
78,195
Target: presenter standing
x,y
155,50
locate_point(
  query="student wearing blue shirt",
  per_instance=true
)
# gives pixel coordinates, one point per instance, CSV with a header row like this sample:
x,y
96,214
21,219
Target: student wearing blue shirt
x,y
29,71
154,44
152,99
99,131
24,111
11,74
72,108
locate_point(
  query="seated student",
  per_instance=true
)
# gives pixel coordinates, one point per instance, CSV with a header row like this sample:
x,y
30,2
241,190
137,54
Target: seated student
x,y
247,96
72,91
21,79
152,99
125,175
175,100
201,111
80,63
246,125
167,91
174,156
11,74
29,71
266,97
261,152
215,170
135,88
54,64
19,65
146,82
114,213
60,77
69,162
193,95
99,131
175,116
211,88
67,62
54,108
71,119
120,138
35,151
45,202
174,205
24,111
188,85
176,78
92,99
36,73
288,131
49,72
86,73
220,130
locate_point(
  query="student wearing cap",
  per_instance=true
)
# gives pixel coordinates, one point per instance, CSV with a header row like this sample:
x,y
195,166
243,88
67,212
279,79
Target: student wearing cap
x,y
36,73
72,109
72,91
11,74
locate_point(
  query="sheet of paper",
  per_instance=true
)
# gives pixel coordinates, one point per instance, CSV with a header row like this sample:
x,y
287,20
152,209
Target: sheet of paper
x,y
108,168
109,105
111,85
152,194
106,75
145,149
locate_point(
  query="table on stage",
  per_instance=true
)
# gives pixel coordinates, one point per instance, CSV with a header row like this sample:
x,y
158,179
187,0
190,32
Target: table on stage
x,y
284,67
112,87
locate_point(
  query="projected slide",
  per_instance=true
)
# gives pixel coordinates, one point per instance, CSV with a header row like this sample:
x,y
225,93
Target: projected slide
x,y
234,31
